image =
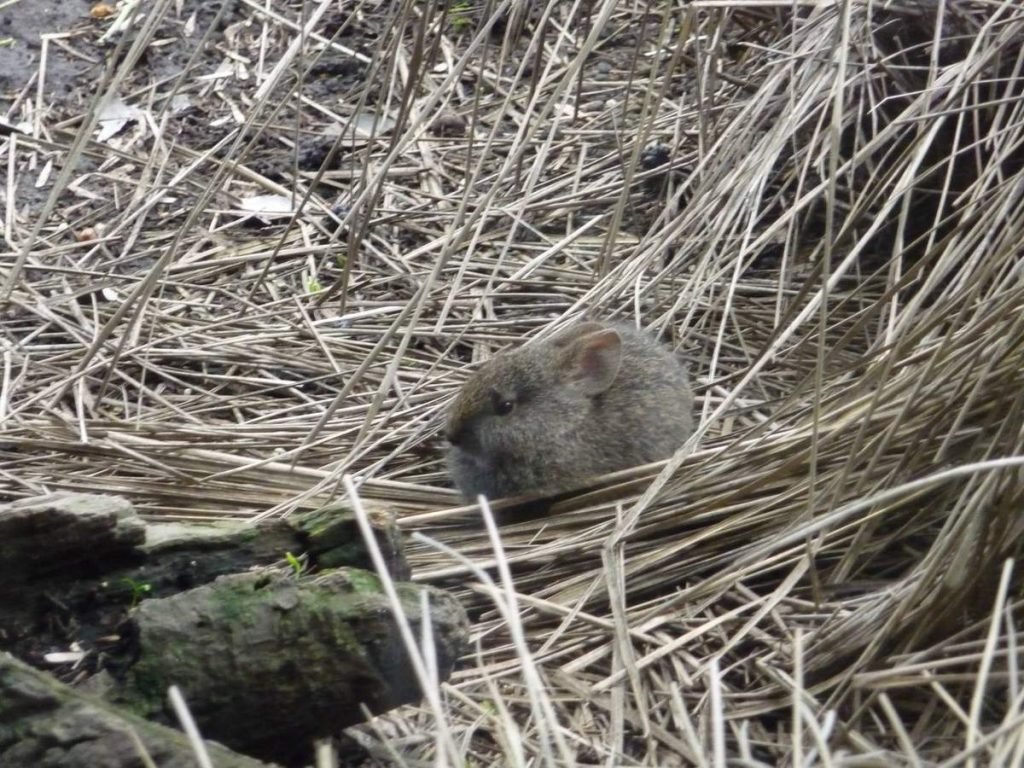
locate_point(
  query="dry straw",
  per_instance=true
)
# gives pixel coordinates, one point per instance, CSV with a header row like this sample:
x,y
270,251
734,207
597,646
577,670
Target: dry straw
x,y
819,203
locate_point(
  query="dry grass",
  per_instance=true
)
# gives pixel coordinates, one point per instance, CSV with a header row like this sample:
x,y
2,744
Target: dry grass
x,y
825,576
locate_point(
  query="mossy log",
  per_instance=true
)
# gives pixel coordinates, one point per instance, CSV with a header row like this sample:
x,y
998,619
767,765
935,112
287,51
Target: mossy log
x,y
46,724
71,565
268,659
269,662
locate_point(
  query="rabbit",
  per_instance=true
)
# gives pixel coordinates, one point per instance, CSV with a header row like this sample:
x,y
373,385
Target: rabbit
x,y
543,419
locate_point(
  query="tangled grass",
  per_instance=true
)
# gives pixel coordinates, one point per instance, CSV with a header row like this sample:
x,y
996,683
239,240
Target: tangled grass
x,y
820,204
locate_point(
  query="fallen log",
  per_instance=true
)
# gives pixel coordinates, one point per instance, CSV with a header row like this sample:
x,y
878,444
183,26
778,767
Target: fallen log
x,y
46,724
271,648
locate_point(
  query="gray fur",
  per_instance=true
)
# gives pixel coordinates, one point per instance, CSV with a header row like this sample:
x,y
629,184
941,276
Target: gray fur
x,y
557,435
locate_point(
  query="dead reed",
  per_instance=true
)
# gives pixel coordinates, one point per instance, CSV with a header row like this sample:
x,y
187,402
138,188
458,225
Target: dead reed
x,y
276,273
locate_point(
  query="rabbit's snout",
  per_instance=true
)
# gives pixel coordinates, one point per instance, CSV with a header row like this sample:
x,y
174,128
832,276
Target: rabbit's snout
x,y
458,431
454,433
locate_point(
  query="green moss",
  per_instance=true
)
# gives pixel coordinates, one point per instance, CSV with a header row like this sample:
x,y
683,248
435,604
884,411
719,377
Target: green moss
x,y
232,604
363,581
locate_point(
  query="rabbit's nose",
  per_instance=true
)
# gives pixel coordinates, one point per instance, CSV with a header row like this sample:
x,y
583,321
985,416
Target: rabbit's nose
x,y
459,430
454,433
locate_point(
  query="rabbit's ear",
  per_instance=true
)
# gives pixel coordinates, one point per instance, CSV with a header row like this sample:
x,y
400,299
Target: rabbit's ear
x,y
592,362
574,332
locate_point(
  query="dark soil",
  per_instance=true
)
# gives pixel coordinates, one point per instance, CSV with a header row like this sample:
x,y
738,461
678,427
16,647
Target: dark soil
x,y
175,73
22,26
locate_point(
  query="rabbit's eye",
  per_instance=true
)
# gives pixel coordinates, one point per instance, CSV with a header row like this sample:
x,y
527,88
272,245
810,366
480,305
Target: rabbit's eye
x,y
503,406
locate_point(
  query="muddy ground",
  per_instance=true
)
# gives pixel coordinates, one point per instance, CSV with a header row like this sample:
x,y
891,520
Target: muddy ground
x,y
196,73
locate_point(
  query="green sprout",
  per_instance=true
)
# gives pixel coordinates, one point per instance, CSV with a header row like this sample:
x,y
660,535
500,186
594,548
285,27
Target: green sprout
x,y
313,285
293,561
139,590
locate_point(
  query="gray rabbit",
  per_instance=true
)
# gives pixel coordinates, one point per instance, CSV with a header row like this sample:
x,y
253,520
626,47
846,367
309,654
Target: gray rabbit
x,y
544,418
